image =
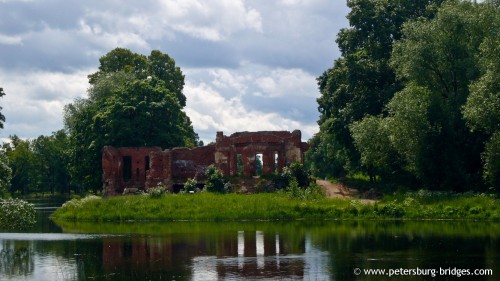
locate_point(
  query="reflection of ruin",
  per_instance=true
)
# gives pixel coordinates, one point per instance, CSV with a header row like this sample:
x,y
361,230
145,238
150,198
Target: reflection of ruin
x,y
242,254
145,167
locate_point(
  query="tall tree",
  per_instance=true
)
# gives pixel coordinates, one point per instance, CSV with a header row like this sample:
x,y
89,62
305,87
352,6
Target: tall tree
x,y
133,100
361,82
482,109
441,57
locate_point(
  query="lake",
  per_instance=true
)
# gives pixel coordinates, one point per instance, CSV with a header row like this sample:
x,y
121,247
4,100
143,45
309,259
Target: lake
x,y
276,250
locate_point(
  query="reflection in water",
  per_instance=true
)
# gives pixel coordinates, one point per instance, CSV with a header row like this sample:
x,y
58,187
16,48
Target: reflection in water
x,y
16,260
247,251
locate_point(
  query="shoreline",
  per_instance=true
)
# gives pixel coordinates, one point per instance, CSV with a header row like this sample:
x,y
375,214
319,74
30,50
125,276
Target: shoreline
x,y
274,207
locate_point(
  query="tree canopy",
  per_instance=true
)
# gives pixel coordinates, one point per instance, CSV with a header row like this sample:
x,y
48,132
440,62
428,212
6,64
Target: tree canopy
x,y
361,82
438,104
133,100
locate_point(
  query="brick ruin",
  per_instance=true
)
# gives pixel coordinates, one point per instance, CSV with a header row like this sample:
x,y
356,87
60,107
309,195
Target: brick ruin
x,y
144,167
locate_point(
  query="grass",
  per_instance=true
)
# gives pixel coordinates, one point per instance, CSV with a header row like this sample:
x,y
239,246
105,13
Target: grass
x,y
279,206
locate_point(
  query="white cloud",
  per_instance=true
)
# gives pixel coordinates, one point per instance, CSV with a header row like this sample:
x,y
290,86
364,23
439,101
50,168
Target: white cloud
x,y
210,20
11,40
287,82
210,111
34,101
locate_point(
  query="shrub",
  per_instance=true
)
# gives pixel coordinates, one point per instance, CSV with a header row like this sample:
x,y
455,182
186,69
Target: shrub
x,y
295,171
16,214
190,186
157,191
215,180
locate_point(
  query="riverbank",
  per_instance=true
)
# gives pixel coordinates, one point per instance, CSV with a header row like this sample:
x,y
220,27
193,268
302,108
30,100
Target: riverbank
x,y
279,206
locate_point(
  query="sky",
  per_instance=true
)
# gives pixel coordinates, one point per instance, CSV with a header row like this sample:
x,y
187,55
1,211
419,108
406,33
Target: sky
x,y
249,65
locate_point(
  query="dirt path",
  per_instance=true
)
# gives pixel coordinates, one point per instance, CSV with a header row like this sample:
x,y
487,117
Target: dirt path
x,y
337,190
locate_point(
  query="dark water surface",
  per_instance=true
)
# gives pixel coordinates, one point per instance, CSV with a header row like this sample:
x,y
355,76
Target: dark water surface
x,y
333,250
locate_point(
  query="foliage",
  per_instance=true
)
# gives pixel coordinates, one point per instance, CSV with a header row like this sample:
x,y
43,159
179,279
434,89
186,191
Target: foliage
x,y
491,157
438,57
311,192
482,109
5,174
16,214
39,165
157,191
371,138
191,186
129,91
295,172
438,105
214,180
2,117
361,82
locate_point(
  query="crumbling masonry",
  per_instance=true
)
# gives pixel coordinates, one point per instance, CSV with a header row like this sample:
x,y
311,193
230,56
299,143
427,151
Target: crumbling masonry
x,y
145,167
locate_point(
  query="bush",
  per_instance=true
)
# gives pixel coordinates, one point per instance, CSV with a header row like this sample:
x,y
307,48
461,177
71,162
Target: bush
x,y
157,191
191,185
215,180
295,171
16,214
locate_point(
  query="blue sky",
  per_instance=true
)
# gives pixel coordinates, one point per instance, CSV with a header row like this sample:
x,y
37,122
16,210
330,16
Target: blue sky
x,y
248,65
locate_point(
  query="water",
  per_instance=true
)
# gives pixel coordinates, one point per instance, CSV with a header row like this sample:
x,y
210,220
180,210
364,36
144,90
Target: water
x,y
334,250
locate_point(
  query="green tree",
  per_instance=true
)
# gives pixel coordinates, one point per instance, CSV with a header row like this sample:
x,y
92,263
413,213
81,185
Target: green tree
x,y
24,163
52,152
439,58
361,82
482,109
371,137
133,100
5,174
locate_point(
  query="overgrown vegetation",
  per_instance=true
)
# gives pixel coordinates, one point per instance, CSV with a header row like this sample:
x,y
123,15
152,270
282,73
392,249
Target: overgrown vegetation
x,y
207,206
16,214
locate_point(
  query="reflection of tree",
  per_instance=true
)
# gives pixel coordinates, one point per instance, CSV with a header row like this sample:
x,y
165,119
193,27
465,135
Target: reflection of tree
x,y
16,261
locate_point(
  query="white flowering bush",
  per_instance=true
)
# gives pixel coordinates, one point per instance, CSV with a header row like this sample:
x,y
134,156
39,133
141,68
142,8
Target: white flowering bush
x,y
157,191
16,214
77,203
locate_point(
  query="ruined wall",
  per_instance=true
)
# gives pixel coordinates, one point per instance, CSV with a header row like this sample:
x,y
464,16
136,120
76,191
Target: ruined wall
x,y
278,149
146,167
125,167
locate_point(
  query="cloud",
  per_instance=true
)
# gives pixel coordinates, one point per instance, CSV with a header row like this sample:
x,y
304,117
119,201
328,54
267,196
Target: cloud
x,y
224,100
249,65
10,40
210,111
210,20
34,101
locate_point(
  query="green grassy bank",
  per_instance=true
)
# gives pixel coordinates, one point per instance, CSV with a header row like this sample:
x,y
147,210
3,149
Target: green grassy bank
x,y
278,206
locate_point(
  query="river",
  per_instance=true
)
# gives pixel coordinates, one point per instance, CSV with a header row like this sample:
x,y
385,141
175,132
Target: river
x,y
276,250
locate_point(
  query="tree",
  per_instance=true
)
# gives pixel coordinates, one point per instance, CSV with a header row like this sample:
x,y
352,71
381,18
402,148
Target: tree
x,y
52,152
439,58
361,82
5,173
24,163
482,109
371,138
2,117
133,100
5,170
